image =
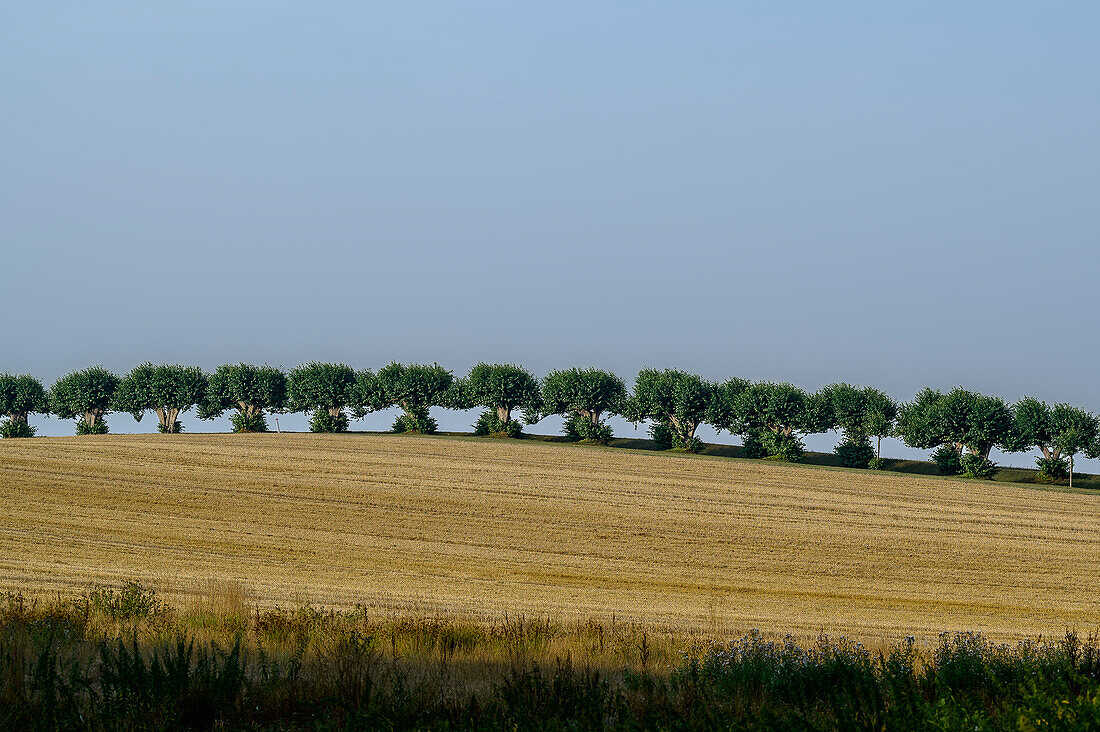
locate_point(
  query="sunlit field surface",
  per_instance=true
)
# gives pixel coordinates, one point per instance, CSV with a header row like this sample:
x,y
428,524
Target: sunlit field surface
x,y
476,528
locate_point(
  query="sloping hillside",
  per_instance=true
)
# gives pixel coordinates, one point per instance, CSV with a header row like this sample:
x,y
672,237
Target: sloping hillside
x,y
470,526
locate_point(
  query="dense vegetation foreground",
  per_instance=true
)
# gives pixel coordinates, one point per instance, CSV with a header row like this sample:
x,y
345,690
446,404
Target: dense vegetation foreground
x,y
116,659
469,528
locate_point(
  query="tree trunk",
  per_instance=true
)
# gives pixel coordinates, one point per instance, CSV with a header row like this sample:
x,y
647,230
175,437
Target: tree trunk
x,y
18,417
334,412
1071,470
878,448
162,418
504,414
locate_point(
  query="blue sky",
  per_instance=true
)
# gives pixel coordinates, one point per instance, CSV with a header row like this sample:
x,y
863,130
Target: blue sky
x,y
812,192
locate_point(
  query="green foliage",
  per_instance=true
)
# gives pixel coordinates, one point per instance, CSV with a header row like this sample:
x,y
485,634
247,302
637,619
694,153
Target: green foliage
x,y
132,601
876,463
418,423
489,424
502,388
957,419
21,395
322,421
242,422
579,428
976,466
326,388
947,459
415,388
249,389
86,395
11,428
678,399
753,445
1056,431
166,390
1053,468
661,434
855,453
768,415
858,412
788,448
175,428
99,427
368,395
584,396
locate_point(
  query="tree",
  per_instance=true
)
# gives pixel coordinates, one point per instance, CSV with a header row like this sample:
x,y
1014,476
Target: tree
x,y
956,421
167,390
325,389
85,395
1055,431
583,396
20,396
500,388
770,416
248,389
415,388
859,413
882,411
673,399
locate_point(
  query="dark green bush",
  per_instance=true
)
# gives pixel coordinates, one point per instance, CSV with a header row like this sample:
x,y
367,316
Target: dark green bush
x,y
322,421
417,423
132,601
1053,468
580,429
784,447
753,445
489,425
976,466
242,423
661,433
876,463
16,428
692,445
947,460
176,428
99,428
855,453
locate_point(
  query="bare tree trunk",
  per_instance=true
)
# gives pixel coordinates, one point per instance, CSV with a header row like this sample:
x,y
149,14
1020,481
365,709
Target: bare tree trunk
x,y
878,448
18,417
91,417
1071,470
504,414
334,412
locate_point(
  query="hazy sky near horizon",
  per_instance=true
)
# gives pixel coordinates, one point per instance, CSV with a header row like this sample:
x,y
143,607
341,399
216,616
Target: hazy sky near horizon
x,y
892,194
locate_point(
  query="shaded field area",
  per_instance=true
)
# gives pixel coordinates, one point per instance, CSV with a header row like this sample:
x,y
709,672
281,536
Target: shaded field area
x,y
119,658
474,528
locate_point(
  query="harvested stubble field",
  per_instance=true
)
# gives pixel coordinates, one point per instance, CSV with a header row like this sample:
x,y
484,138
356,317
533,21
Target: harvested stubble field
x,y
475,528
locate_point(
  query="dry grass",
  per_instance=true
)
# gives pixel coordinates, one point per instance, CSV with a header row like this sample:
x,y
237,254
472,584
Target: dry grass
x,y
474,529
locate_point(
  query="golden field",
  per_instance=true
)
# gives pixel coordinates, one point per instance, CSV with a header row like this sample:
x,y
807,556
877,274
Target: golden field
x,y
476,528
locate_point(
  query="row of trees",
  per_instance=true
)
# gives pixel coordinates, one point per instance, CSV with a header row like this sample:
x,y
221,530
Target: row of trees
x,y
772,419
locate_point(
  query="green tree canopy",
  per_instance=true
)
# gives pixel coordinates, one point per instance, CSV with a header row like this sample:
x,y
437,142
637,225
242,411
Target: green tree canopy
x,y
325,389
1039,425
858,412
166,390
959,420
248,389
22,395
85,395
500,387
415,388
774,412
588,392
673,398
584,396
